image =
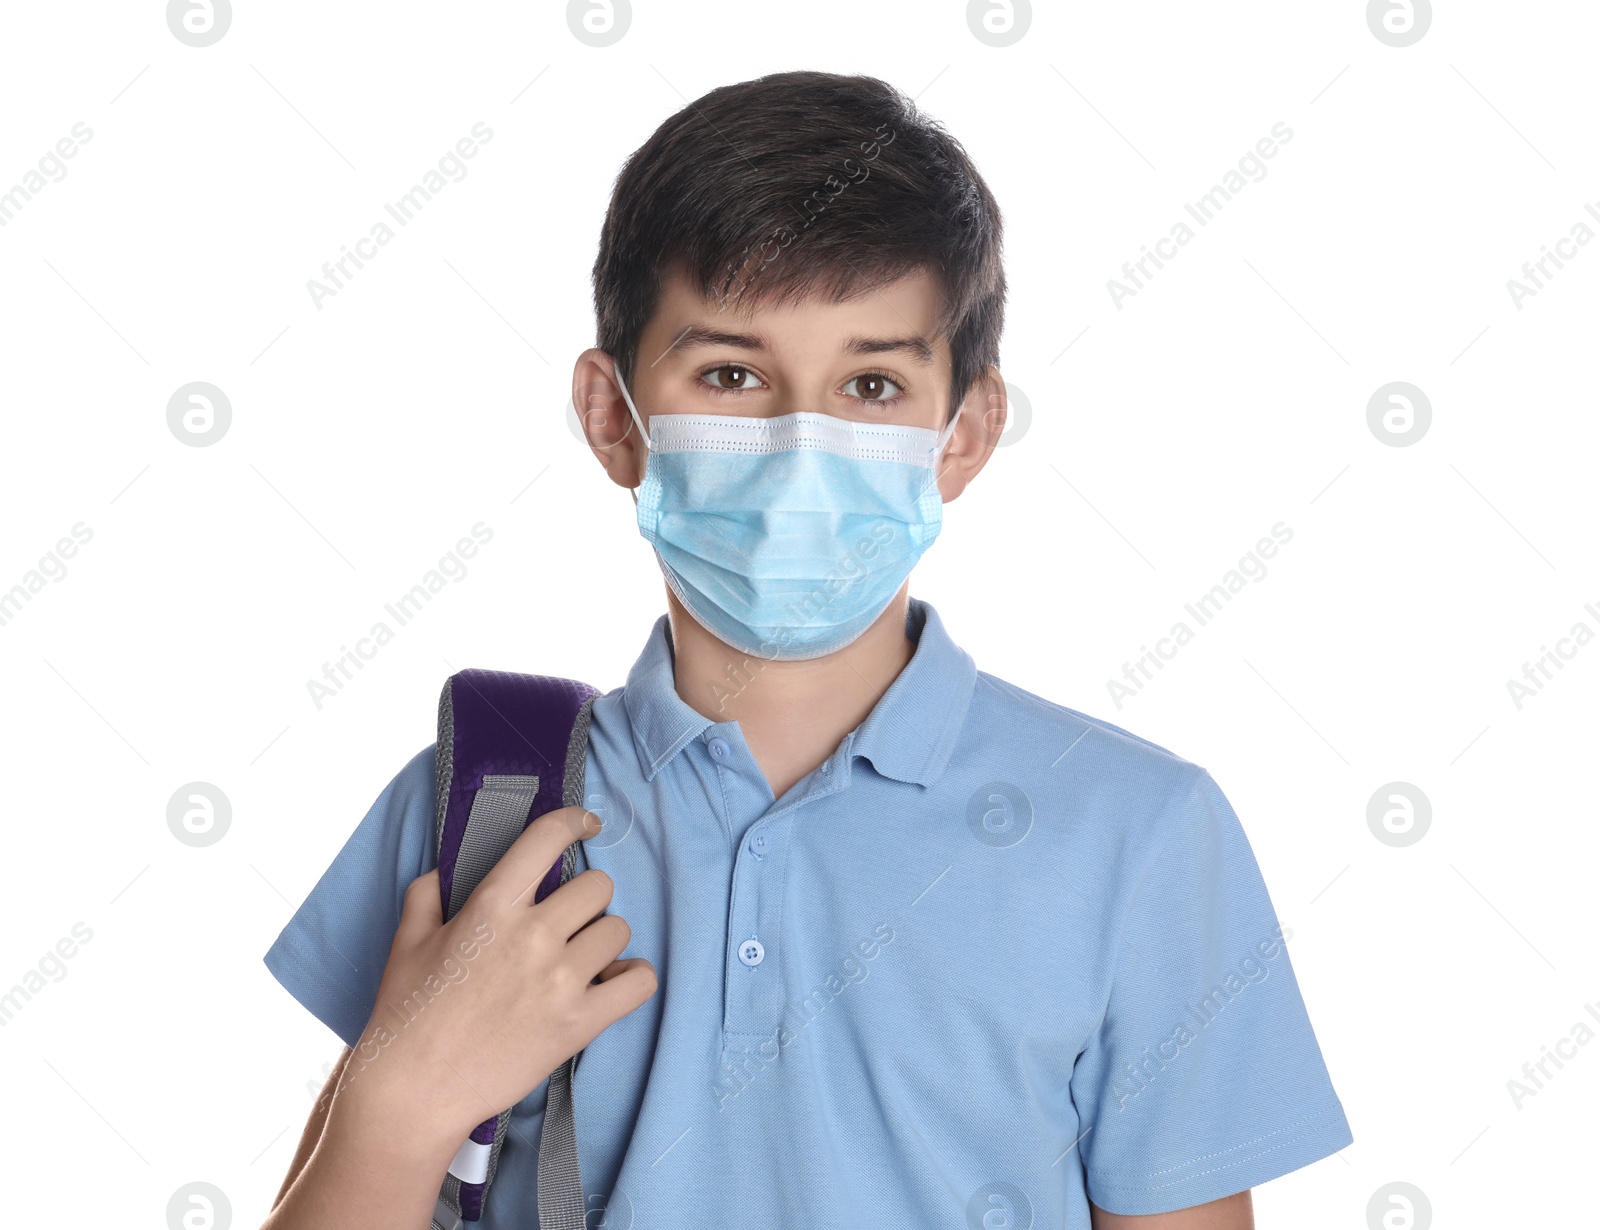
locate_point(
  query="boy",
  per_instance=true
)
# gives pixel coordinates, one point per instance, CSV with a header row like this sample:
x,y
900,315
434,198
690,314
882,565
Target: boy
x,y
910,946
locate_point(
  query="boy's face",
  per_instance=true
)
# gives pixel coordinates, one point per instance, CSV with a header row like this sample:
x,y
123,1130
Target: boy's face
x,y
875,358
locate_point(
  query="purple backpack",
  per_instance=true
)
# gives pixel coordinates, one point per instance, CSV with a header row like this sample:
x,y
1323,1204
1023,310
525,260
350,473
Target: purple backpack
x,y
510,748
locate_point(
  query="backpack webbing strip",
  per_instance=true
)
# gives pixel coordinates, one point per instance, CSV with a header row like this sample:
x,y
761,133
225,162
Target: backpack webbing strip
x,y
560,1182
561,1203
444,1215
499,814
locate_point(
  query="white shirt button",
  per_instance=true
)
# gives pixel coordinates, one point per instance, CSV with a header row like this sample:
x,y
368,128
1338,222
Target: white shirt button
x,y
751,952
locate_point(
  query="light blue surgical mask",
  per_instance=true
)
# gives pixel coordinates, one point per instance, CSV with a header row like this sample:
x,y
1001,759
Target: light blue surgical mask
x,y
787,537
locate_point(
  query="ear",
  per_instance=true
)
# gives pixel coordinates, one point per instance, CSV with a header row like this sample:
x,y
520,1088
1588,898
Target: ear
x,y
982,420
603,414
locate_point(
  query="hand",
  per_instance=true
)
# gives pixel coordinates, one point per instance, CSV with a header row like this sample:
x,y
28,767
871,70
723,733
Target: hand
x,y
473,1014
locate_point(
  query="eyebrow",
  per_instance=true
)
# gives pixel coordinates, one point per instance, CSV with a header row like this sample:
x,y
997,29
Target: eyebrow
x,y
695,336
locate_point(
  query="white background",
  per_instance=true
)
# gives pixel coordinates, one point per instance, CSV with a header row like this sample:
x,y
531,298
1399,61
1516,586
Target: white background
x,y
429,394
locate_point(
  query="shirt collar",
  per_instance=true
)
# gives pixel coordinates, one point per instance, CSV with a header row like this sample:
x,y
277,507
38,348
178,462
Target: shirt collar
x,y
909,735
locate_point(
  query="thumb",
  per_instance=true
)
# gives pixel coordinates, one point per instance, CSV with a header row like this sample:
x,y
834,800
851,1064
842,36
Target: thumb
x,y
420,912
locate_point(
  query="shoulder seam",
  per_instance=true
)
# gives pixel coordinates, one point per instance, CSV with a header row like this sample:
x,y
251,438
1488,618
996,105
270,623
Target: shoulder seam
x,y
1005,687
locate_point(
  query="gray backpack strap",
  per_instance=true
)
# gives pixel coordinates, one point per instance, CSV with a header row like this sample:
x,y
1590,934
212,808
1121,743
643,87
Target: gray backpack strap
x,y
561,1205
510,748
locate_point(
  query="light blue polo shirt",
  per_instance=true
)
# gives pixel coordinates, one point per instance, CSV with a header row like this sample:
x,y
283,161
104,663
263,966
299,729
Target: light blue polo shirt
x,y
993,959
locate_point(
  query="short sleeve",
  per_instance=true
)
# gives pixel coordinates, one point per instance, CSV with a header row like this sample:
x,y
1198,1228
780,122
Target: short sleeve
x,y
332,953
1204,1077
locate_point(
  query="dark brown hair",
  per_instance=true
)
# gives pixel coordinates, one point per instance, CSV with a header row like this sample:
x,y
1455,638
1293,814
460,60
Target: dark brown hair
x,y
801,184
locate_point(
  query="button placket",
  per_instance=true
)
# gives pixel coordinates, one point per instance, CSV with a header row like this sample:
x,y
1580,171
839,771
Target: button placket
x,y
755,901
754,984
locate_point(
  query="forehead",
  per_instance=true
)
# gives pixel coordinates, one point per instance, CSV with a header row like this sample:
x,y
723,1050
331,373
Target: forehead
x,y
907,308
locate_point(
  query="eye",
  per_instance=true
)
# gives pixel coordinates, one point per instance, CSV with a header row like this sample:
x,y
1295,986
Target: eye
x,y
874,386
730,378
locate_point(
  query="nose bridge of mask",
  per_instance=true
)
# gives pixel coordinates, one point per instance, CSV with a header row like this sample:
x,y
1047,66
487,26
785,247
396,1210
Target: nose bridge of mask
x,y
935,452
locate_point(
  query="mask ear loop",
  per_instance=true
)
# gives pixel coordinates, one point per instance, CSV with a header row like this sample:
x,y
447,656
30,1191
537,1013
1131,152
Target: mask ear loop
x,y
936,450
633,410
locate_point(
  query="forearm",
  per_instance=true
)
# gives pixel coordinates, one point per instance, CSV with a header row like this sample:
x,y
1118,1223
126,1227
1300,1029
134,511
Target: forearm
x,y
312,1132
372,1167
1234,1212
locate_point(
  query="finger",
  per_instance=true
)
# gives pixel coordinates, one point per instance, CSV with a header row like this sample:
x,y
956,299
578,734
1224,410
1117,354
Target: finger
x,y
617,996
599,944
615,968
516,877
577,903
420,911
